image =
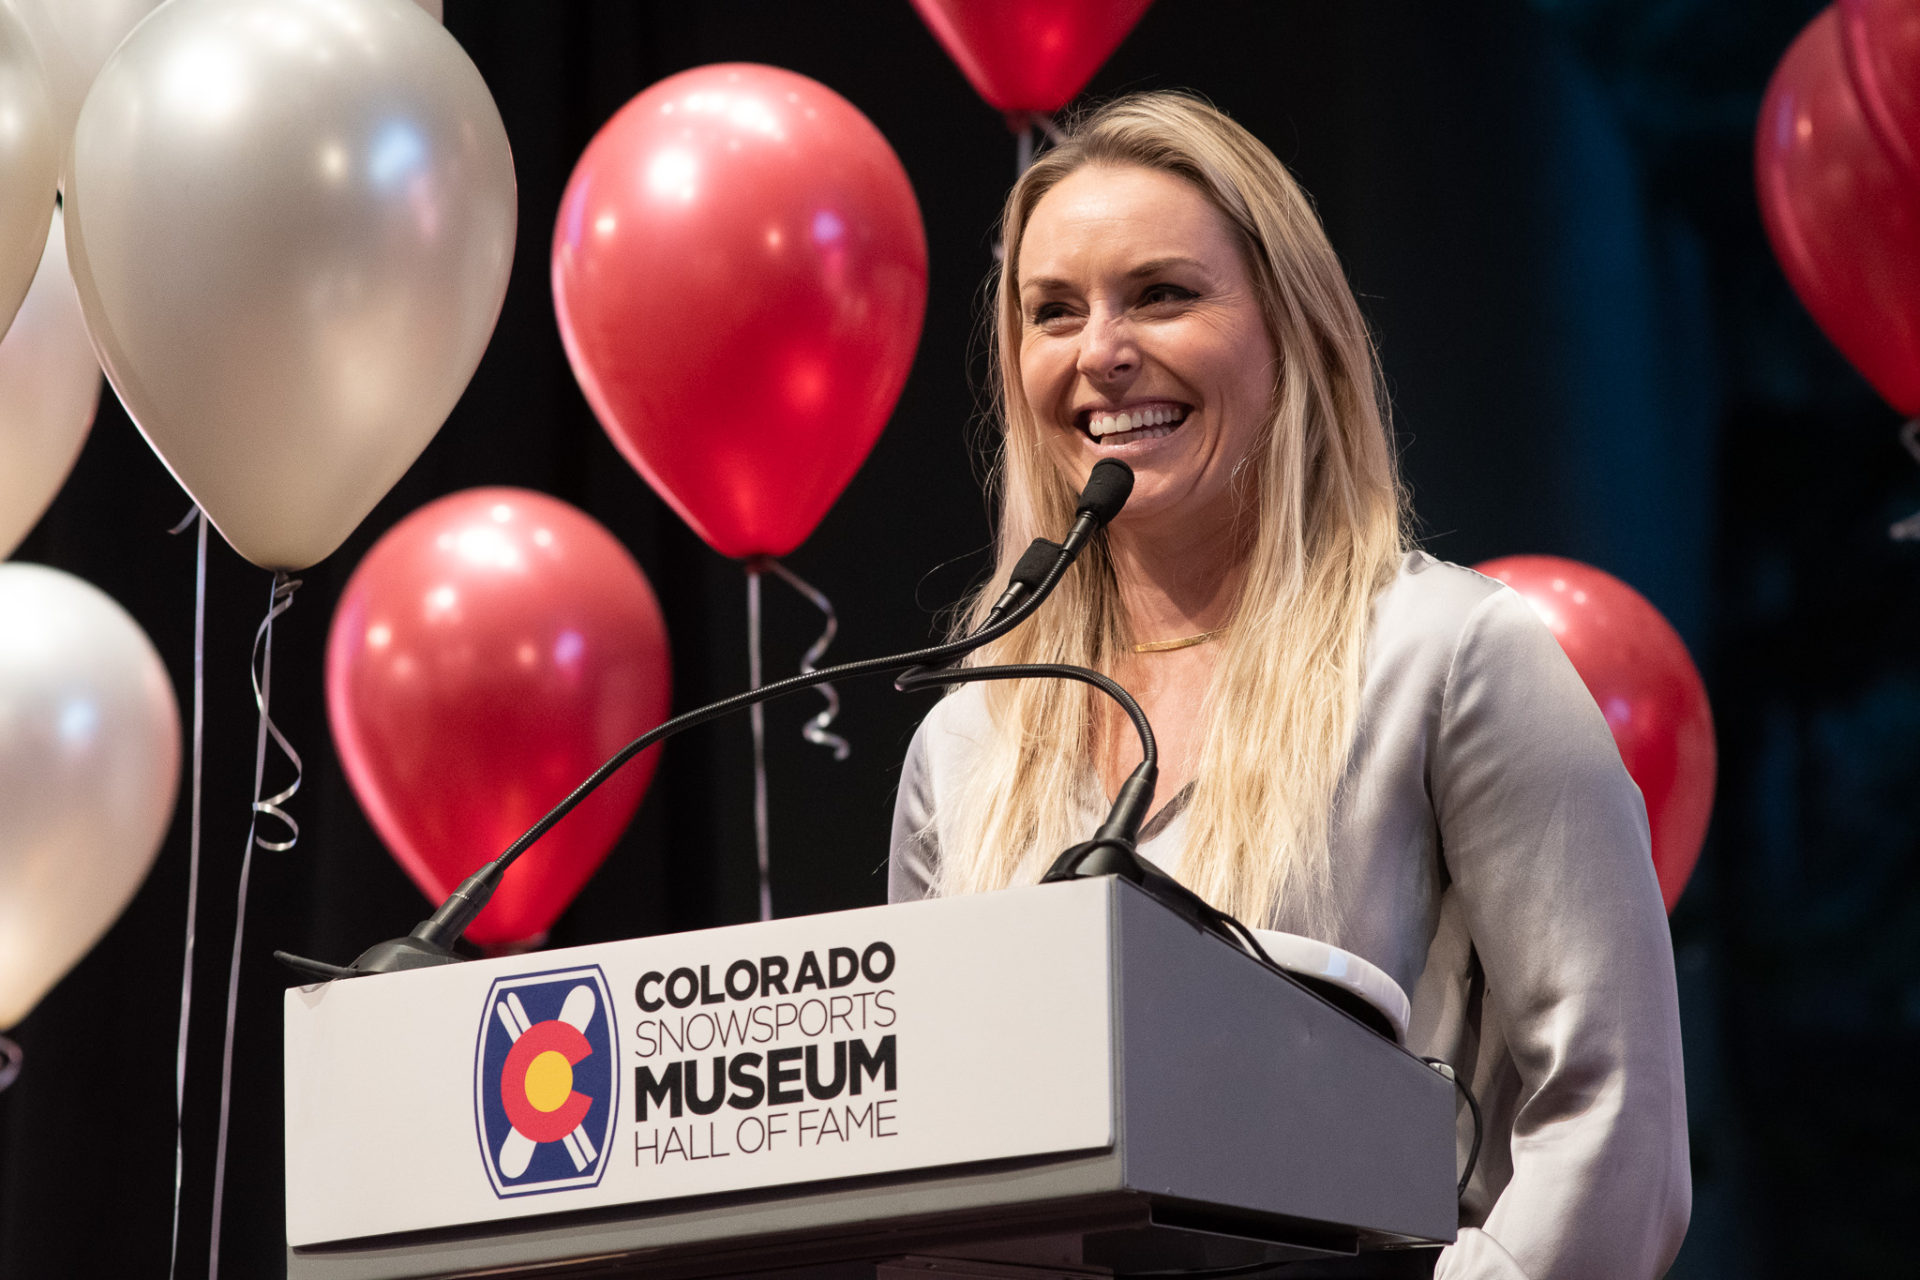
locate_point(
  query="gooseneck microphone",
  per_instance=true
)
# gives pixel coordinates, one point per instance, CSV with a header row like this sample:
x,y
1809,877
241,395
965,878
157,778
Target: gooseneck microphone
x,y
1038,572
1107,490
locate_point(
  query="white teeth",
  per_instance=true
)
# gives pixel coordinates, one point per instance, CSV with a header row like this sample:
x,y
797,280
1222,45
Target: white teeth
x,y
1101,424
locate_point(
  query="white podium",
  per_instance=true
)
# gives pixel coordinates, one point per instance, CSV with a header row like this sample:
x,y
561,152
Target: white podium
x,y
1055,1081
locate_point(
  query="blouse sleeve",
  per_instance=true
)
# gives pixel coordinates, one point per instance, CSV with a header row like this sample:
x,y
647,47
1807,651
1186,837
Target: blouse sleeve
x,y
1545,838
914,851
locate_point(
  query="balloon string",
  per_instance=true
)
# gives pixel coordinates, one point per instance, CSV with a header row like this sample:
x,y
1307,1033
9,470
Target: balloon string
x,y
815,730
1908,530
758,715
193,872
1025,148
260,670
11,1057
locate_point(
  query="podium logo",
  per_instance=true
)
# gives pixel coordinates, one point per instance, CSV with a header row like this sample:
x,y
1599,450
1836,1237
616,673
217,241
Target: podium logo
x,y
546,1083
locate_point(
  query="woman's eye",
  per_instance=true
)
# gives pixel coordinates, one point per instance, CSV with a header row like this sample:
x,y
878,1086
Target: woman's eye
x,y
1166,293
1047,312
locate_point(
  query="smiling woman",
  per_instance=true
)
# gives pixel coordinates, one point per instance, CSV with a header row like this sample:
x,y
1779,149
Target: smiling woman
x,y
1358,742
1163,260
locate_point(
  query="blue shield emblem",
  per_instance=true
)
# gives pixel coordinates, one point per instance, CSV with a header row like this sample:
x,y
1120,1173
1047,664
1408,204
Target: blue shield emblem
x,y
546,1081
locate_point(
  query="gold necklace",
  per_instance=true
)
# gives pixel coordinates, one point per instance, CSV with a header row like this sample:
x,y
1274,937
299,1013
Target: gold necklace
x,y
1185,642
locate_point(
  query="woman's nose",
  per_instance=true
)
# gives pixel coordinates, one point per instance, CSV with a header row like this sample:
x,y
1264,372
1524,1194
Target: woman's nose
x,y
1108,349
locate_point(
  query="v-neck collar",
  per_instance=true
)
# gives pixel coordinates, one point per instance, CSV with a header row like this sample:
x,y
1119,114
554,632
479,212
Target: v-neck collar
x,y
1095,803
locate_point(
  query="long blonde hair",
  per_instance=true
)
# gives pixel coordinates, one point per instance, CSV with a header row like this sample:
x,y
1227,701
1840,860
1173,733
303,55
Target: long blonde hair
x,y
1319,510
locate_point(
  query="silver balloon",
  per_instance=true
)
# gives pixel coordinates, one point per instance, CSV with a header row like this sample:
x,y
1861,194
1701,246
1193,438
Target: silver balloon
x,y
49,391
291,223
74,38
29,163
89,769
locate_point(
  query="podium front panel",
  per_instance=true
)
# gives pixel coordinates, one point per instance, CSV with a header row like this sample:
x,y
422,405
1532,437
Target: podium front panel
x,y
871,1042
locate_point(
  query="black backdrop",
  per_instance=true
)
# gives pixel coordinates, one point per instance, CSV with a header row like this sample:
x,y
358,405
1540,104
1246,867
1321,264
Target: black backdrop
x,y
1546,210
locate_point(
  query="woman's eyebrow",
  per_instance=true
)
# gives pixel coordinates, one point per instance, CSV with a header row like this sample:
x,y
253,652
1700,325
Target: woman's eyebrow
x,y
1157,265
1153,267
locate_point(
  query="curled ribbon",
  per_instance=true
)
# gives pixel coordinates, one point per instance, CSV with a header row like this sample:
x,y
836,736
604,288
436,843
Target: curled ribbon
x,y
815,730
261,670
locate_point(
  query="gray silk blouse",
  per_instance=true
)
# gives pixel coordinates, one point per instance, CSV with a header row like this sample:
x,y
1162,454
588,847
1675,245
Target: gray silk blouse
x,y
1491,854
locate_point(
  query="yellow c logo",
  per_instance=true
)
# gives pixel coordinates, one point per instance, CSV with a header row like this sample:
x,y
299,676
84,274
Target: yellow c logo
x,y
549,1080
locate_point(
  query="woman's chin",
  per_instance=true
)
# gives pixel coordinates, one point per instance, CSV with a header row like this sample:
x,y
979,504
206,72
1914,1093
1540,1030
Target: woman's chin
x,y
1167,506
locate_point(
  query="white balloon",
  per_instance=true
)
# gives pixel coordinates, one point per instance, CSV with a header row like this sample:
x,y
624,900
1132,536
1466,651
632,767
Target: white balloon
x,y
433,7
291,223
74,38
89,769
49,392
29,163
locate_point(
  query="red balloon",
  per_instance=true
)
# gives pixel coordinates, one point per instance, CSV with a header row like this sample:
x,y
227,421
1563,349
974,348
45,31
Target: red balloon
x,y
1026,56
1843,219
490,652
740,275
1634,664
1882,39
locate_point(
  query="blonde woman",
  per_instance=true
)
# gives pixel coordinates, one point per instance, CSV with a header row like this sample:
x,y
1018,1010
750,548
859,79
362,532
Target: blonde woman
x,y
1358,742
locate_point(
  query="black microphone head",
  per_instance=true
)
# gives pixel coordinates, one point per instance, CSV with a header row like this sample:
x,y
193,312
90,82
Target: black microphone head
x,y
1107,490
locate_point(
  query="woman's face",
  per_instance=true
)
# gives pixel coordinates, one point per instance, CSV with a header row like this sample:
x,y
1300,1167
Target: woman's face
x,y
1136,300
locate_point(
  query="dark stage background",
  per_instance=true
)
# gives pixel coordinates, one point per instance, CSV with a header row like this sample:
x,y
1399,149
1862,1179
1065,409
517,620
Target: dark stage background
x,y
1547,210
